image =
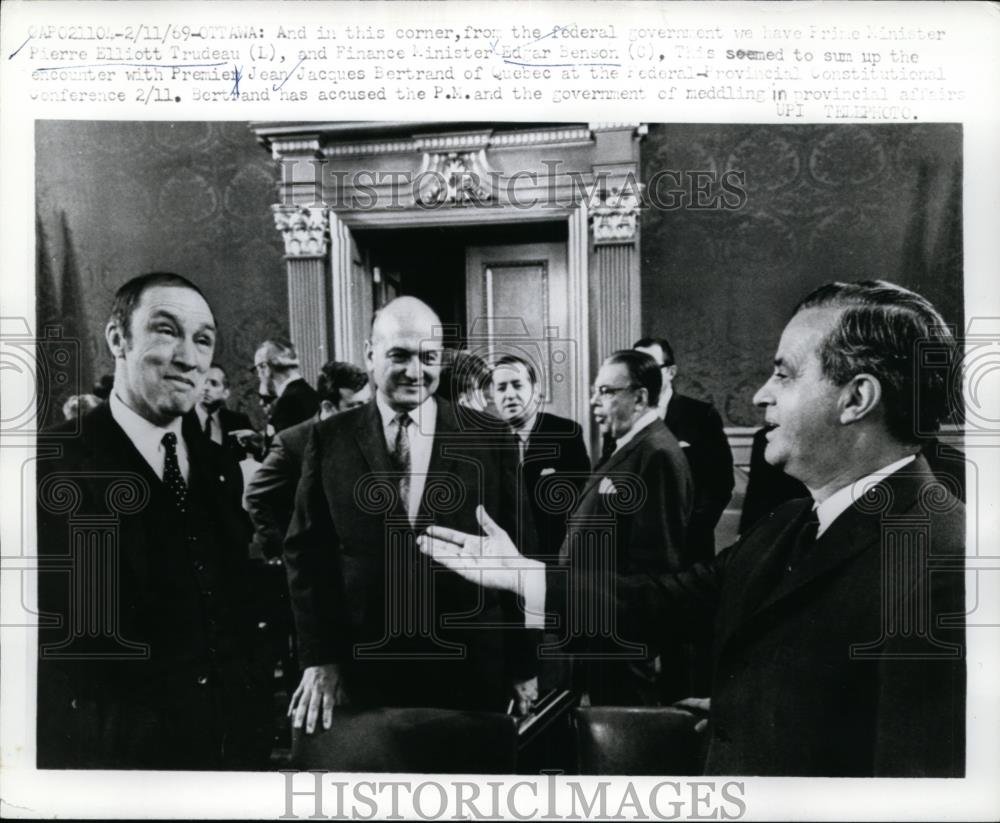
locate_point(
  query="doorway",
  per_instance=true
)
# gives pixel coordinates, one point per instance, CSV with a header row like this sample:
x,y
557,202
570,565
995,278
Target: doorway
x,y
499,289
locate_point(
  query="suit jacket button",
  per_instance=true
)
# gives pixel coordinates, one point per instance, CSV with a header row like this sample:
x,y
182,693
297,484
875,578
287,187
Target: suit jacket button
x,y
203,680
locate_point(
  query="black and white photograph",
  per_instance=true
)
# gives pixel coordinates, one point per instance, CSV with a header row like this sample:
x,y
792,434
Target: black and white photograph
x,y
631,344
493,411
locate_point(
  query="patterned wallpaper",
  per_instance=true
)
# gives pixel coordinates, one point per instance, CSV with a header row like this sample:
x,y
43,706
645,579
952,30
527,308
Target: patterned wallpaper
x,y
115,199
118,198
823,203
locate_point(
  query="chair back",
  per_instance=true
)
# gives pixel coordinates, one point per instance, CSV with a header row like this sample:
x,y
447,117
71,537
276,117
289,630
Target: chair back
x,y
425,741
636,740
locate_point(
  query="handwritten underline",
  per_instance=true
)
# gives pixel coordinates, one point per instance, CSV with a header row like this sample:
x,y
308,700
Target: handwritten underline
x,y
557,65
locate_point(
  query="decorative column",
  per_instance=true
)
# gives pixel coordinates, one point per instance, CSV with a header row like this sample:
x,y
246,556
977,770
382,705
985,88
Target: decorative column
x,y
615,231
305,231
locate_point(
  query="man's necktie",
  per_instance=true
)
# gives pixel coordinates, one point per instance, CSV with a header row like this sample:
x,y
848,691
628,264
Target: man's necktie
x,y
172,476
208,427
401,457
804,540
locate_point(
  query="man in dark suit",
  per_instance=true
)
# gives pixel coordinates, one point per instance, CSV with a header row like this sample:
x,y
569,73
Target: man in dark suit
x,y
638,502
145,642
377,623
218,422
839,640
698,428
553,462
270,493
213,417
277,365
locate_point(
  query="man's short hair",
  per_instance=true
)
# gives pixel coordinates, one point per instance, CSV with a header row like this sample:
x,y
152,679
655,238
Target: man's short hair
x,y
130,293
514,360
279,354
648,342
882,331
225,377
643,370
336,375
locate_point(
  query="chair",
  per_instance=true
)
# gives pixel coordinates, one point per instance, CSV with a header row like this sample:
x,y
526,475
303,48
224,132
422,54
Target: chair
x,y
637,741
428,741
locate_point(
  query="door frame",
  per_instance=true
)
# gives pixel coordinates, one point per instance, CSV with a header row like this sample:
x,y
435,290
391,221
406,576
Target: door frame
x,y
346,341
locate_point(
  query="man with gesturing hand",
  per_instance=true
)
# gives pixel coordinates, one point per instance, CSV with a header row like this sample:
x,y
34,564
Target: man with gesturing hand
x,y
839,639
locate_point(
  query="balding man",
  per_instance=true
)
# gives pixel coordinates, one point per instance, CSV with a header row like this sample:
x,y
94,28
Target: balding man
x,y
377,623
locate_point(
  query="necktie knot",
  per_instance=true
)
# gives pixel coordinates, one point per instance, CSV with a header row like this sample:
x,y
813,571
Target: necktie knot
x,y
403,420
172,477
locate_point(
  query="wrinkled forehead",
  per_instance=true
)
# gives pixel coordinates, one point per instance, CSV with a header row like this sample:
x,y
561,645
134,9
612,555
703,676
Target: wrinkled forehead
x,y
184,305
408,336
510,372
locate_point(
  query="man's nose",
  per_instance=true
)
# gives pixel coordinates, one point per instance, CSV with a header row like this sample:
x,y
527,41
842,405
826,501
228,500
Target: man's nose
x,y
763,397
413,368
186,353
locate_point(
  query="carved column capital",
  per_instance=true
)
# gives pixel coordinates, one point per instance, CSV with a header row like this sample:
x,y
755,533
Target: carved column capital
x,y
614,216
305,229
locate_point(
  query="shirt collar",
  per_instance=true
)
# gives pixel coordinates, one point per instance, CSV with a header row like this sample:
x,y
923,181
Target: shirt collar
x,y
420,413
202,413
137,427
650,417
524,432
838,502
148,437
665,394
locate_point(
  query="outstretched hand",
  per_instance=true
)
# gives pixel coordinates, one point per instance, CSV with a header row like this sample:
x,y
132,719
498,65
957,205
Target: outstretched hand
x,y
491,559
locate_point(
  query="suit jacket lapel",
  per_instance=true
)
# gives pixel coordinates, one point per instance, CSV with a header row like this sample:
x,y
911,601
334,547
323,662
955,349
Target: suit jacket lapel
x,y
446,431
759,569
614,462
856,530
371,440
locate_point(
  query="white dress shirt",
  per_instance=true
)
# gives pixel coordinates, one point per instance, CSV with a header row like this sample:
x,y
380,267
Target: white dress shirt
x,y
838,502
216,422
421,436
148,437
533,581
665,394
647,419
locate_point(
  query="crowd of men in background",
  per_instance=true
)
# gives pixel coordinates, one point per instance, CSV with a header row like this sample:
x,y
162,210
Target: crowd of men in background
x,y
335,494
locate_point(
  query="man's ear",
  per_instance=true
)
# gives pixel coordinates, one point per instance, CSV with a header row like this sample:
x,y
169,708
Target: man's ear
x,y
115,337
369,352
643,393
326,408
859,398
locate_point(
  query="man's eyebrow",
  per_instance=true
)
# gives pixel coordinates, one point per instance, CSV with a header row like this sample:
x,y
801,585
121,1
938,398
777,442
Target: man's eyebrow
x,y
160,314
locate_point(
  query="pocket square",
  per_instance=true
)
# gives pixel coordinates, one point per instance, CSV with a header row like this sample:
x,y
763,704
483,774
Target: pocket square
x,y
607,486
683,444
544,472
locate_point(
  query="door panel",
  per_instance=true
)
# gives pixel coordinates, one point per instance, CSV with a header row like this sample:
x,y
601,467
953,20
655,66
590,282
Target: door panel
x,y
517,302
